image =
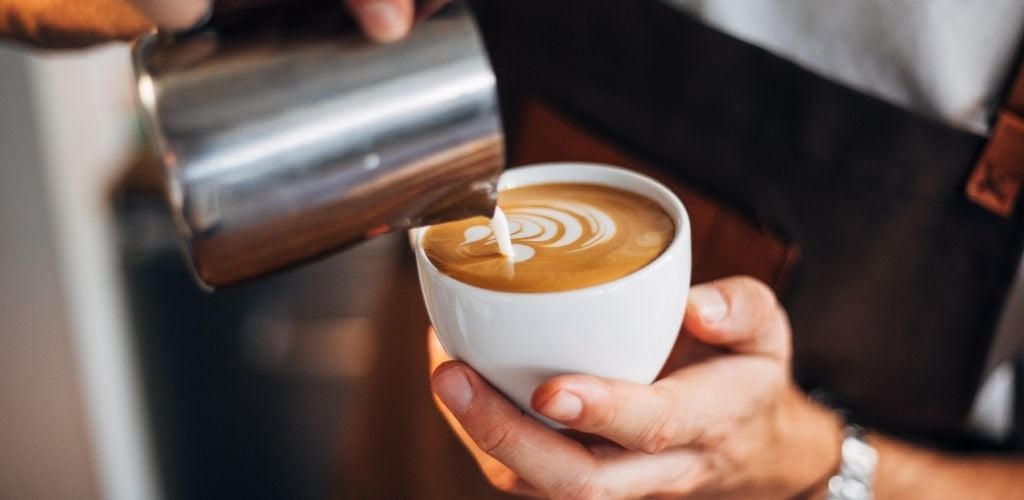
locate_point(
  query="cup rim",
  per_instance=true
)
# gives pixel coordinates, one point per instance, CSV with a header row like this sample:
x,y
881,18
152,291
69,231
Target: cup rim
x,y
681,218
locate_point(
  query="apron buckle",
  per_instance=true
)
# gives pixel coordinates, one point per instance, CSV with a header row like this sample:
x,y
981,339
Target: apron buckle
x,y
997,178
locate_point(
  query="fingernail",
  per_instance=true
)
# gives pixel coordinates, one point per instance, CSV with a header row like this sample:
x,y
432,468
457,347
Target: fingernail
x,y
382,21
453,387
563,406
710,304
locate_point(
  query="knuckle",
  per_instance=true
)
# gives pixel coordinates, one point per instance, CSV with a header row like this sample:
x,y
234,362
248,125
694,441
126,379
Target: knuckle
x,y
659,435
601,417
759,297
498,440
759,291
748,284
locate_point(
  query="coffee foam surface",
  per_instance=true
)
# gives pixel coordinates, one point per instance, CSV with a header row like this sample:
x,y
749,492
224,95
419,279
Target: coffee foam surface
x,y
564,237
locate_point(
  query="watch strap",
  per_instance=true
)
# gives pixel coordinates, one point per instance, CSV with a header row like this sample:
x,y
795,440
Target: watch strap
x,y
858,463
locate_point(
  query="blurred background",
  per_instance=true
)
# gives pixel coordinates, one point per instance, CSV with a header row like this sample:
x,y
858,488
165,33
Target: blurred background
x,y
120,378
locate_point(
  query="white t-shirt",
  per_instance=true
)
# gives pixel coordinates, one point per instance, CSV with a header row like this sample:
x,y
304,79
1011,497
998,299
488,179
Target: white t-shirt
x,y
946,59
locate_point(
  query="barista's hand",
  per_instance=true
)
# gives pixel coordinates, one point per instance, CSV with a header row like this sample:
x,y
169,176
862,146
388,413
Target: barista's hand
x,y
75,23
727,423
70,23
390,20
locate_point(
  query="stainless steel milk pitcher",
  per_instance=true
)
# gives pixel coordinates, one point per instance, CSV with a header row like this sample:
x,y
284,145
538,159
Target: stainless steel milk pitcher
x,y
286,135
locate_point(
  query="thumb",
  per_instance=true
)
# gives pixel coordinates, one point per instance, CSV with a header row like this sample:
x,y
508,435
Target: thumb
x,y
740,314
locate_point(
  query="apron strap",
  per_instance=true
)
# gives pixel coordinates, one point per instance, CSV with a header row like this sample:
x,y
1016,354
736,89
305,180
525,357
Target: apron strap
x,y
998,176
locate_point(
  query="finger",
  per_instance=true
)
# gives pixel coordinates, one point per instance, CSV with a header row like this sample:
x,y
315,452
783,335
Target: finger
x,y
637,417
741,314
71,24
497,474
543,458
687,408
501,477
175,15
426,8
673,473
383,20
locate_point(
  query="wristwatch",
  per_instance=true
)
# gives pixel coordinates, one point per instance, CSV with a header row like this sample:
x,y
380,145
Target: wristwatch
x,y
858,459
856,468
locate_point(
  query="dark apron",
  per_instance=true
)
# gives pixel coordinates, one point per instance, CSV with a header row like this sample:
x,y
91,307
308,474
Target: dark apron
x,y
852,208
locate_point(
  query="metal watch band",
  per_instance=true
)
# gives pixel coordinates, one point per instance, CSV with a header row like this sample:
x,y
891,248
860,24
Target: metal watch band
x,y
857,466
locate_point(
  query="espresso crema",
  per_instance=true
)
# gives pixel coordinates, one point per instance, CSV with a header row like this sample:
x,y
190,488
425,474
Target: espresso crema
x,y
565,237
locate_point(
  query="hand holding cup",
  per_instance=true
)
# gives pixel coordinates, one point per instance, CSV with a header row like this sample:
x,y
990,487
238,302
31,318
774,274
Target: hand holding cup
x,y
727,422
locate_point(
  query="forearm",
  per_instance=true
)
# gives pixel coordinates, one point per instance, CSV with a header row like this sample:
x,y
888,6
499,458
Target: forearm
x,y
906,471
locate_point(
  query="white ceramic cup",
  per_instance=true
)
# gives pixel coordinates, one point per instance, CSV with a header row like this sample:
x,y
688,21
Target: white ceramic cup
x,y
623,329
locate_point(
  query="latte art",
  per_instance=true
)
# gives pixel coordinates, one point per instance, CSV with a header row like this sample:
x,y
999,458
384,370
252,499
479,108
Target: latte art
x,y
577,226
561,236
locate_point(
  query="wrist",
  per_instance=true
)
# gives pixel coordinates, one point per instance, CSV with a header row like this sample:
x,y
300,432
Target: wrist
x,y
915,467
808,448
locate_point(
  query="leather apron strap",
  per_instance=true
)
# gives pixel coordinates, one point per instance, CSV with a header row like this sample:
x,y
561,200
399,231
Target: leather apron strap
x,y
998,176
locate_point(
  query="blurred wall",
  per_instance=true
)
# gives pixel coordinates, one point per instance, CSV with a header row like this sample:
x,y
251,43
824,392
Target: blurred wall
x,y
70,419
